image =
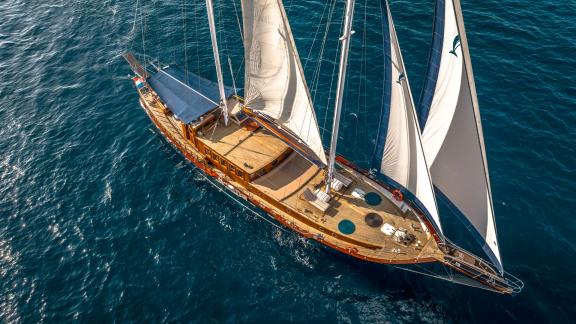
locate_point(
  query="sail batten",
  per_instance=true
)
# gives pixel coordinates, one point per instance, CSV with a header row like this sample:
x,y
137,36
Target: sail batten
x,y
275,85
452,131
399,156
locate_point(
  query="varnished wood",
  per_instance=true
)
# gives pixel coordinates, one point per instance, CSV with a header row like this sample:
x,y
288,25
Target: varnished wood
x,y
249,150
279,191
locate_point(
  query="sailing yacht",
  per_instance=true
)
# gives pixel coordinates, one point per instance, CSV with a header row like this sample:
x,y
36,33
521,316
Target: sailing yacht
x,y
266,147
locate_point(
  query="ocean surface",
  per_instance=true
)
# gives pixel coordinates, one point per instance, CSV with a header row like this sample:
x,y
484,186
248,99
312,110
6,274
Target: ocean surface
x,y
102,220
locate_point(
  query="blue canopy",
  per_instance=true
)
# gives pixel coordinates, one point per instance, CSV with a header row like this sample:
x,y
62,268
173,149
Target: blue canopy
x,y
187,95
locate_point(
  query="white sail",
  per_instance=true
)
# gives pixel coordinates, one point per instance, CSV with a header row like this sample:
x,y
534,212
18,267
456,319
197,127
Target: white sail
x,y
399,153
275,84
452,131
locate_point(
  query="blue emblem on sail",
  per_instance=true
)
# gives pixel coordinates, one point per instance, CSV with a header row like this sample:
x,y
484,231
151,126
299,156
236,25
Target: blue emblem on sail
x,y
401,78
455,44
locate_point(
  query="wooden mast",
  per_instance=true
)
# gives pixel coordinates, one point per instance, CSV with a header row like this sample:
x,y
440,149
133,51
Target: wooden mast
x,y
345,39
223,103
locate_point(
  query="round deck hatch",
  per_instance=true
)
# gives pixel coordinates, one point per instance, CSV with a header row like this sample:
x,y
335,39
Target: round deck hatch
x,y
373,199
346,227
373,220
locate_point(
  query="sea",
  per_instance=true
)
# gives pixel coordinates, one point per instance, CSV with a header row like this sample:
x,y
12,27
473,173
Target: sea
x,y
102,220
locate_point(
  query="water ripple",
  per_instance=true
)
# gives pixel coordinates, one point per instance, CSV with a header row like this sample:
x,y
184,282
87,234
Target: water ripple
x,y
101,220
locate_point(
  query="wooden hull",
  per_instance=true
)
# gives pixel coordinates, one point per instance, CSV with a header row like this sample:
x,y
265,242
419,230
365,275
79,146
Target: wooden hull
x,y
429,249
267,204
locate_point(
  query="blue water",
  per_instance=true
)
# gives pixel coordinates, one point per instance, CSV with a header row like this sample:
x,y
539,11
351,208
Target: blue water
x,y
101,220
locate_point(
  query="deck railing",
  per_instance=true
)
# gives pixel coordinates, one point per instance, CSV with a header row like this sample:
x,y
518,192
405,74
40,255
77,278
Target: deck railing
x,y
480,270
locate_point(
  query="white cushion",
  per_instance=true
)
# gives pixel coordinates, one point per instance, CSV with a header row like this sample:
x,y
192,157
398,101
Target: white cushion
x,y
358,193
388,229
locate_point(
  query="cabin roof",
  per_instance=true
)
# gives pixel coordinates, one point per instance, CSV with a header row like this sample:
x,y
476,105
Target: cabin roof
x,y
186,94
248,150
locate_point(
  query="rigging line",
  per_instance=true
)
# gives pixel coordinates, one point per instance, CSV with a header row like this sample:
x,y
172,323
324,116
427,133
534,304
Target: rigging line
x,y
334,65
232,75
219,40
187,86
237,73
142,30
317,71
363,72
154,43
235,76
219,31
449,278
216,123
238,21
135,17
289,6
223,32
197,37
308,57
365,104
185,46
239,68
325,37
133,40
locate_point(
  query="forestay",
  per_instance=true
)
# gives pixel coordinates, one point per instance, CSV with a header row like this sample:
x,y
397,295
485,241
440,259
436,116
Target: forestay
x,y
452,131
399,154
275,84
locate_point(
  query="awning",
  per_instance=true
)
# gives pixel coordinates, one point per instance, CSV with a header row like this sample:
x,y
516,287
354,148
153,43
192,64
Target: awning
x,y
187,95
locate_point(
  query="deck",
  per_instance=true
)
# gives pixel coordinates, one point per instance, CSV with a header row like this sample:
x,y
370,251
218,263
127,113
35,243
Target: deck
x,y
282,193
249,150
346,207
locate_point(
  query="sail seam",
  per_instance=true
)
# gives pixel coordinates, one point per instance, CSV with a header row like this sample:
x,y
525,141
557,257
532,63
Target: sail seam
x,y
386,92
434,59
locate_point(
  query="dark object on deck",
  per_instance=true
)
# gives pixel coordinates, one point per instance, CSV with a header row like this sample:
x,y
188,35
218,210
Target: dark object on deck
x,y
346,227
373,220
372,199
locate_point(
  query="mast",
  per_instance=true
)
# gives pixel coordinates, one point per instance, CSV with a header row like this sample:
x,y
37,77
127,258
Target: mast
x,y
340,89
223,103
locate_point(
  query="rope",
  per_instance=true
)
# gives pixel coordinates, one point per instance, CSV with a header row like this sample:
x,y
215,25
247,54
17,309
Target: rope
x,y
185,46
331,82
196,33
143,33
238,21
316,78
315,37
361,84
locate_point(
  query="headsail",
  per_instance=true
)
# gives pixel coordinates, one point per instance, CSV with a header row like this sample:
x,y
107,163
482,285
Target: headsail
x,y
399,155
452,131
275,84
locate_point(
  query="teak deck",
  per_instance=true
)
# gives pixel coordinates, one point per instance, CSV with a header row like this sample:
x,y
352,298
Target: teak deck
x,y
250,151
259,167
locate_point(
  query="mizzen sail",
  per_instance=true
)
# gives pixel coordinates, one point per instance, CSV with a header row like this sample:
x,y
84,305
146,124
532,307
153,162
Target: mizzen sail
x,y
452,130
275,84
399,154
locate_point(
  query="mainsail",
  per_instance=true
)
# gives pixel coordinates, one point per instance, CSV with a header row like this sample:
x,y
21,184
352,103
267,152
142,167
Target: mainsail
x,y
275,84
452,131
399,154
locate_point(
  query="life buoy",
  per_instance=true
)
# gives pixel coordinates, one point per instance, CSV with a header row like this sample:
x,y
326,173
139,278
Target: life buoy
x,y
397,194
